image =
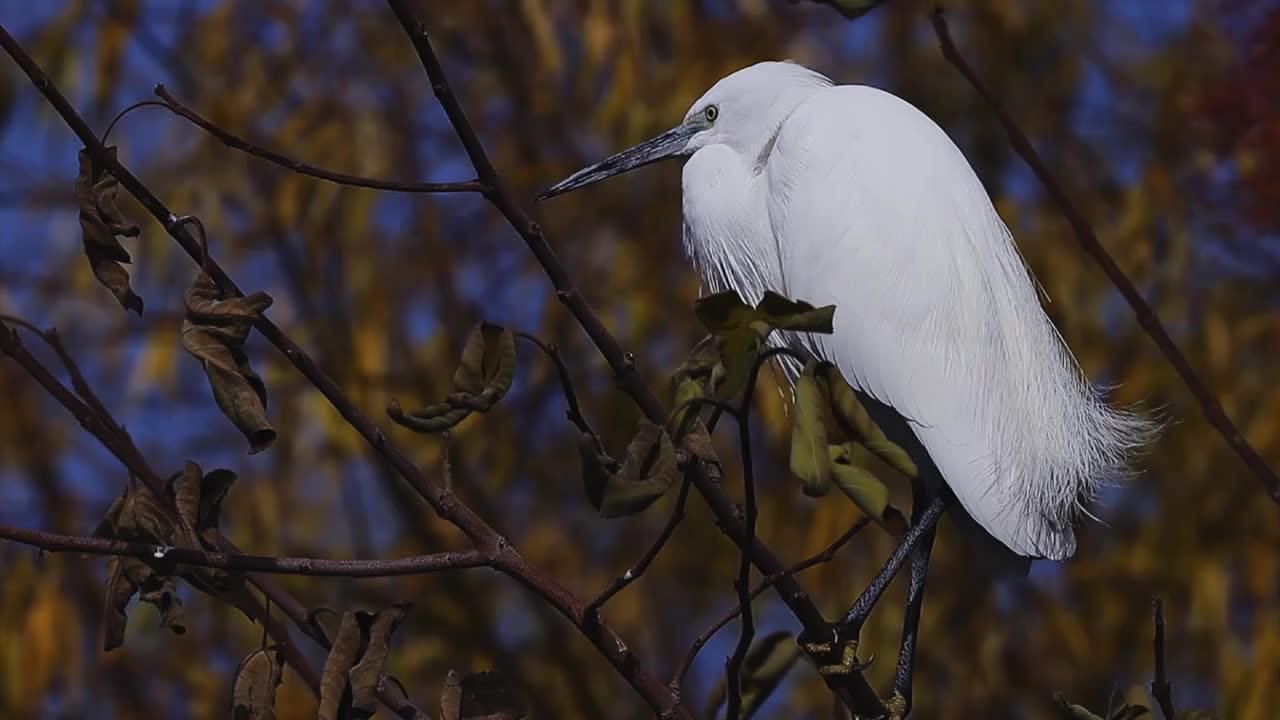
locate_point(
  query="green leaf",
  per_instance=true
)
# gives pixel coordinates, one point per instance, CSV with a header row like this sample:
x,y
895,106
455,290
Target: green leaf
x,y
766,663
1068,711
253,691
1130,712
809,459
796,315
646,474
214,331
723,312
850,412
855,481
483,377
100,222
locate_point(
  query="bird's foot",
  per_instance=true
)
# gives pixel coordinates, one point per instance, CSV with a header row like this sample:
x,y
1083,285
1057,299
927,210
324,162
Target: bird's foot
x,y
847,663
897,706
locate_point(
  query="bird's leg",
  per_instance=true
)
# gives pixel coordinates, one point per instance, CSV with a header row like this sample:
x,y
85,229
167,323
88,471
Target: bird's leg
x,y
845,634
900,703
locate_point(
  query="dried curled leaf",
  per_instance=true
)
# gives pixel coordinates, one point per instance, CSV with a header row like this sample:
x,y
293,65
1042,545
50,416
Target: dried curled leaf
x,y
645,474
451,697
691,381
214,331
253,692
187,516
848,469
349,682
483,377
100,223
127,577
364,675
809,459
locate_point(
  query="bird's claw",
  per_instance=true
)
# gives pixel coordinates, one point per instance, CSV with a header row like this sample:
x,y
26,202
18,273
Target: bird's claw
x,y
848,663
897,706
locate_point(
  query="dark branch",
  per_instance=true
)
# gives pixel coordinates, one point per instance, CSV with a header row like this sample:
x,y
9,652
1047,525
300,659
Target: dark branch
x,y
1161,689
767,582
238,562
621,582
485,538
852,688
1088,240
572,410
232,141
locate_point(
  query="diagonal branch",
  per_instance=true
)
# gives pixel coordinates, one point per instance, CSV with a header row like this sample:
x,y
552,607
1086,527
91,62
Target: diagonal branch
x,y
239,562
767,582
236,143
1146,317
442,500
853,688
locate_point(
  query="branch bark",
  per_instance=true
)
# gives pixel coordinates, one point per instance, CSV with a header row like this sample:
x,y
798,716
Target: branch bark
x,y
505,558
240,562
853,688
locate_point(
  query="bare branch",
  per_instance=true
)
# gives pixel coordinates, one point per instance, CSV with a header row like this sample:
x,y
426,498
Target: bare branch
x,y
767,582
1088,240
444,502
236,143
853,688
1161,689
239,562
573,411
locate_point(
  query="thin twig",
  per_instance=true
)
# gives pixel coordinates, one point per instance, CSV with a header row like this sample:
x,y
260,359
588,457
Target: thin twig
x,y
572,410
78,383
733,668
236,143
445,503
852,688
1088,240
105,430
620,583
239,562
1161,689
765,583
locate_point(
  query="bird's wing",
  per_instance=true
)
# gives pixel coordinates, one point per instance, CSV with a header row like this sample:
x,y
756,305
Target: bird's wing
x,y
876,211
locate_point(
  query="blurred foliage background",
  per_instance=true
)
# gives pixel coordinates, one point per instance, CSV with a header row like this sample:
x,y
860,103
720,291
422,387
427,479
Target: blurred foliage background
x,y
1163,120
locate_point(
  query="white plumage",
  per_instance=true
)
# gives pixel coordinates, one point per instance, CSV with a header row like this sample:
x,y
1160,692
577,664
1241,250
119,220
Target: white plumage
x,y
848,195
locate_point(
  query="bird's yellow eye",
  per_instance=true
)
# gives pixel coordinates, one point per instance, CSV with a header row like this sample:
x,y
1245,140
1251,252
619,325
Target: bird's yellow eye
x,y
711,113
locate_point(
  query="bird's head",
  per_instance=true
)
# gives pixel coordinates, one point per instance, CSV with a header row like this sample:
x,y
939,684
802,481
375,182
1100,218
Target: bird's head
x,y
742,110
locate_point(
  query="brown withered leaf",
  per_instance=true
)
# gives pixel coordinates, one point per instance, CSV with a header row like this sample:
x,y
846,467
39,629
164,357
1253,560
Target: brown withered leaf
x,y
451,697
483,377
127,577
214,331
486,696
100,223
353,670
335,695
365,675
253,691
646,473
187,516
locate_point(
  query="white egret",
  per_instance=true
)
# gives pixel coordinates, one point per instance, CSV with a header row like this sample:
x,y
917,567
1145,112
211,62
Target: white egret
x,y
850,196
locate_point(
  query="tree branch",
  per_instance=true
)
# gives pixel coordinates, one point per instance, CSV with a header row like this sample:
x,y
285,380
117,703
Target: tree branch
x,y
1088,240
1161,689
239,562
767,582
236,143
444,502
852,688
